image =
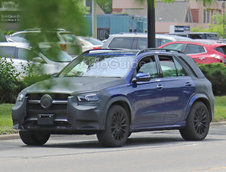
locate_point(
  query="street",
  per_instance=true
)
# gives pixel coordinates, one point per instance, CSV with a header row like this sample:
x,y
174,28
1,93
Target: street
x,y
145,151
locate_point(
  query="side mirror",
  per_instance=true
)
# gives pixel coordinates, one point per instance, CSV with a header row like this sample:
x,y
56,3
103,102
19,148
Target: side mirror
x,y
38,59
141,77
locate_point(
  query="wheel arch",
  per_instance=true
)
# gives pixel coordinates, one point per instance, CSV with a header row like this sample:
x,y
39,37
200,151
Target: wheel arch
x,y
122,101
200,98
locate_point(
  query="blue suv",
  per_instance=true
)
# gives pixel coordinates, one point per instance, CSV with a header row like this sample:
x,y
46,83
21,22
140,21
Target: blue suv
x,y
113,93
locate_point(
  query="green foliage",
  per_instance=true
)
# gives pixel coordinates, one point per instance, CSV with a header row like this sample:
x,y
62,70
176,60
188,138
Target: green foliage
x,y
216,73
52,14
217,27
9,83
106,5
12,81
33,78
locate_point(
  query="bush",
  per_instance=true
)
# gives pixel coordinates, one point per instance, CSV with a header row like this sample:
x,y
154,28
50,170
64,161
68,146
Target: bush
x,y
10,85
12,81
216,73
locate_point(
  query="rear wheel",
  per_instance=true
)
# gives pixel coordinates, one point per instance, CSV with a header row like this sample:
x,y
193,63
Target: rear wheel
x,y
117,127
198,123
34,138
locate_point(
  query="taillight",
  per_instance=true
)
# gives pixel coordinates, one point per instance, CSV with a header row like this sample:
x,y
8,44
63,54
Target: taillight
x,y
63,47
95,48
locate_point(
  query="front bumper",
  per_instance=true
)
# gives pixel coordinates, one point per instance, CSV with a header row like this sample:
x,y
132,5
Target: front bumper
x,y
74,118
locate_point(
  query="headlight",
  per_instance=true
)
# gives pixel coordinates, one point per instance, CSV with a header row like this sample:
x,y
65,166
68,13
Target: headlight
x,y
90,97
20,97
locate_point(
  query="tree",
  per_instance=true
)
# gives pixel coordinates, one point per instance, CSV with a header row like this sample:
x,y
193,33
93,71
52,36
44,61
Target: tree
x,y
106,5
216,27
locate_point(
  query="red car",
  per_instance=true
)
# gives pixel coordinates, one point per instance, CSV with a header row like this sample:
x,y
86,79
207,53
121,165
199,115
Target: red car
x,y
204,51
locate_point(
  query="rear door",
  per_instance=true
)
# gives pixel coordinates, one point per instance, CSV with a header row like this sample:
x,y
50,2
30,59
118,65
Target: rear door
x,y
178,87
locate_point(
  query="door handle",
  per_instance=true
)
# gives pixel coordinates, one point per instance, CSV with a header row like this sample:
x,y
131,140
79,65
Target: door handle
x,y
188,84
159,86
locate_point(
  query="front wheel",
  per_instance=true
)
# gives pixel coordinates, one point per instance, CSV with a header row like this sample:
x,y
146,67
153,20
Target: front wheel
x,y
117,127
198,122
34,138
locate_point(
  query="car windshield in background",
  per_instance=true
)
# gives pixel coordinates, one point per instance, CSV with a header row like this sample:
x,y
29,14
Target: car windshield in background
x,y
99,66
56,55
176,46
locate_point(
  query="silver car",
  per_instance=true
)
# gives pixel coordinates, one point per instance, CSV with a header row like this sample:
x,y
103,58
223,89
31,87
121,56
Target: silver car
x,y
138,41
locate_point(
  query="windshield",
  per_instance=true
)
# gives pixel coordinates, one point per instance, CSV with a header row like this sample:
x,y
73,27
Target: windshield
x,y
99,66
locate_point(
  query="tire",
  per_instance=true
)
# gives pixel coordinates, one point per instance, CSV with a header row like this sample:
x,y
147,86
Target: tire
x,y
117,128
33,138
198,122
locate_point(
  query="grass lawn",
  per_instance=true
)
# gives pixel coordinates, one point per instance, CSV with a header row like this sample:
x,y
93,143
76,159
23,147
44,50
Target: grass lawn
x,y
6,114
6,119
220,108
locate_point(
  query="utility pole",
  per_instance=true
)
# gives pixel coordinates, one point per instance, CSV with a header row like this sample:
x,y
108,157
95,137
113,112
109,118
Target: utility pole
x,y
223,6
94,19
151,23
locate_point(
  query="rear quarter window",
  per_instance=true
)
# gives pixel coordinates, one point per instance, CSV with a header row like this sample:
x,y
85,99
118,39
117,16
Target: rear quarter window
x,y
221,49
122,42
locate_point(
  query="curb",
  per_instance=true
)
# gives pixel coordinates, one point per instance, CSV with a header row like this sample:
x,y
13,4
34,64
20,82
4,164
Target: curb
x,y
9,136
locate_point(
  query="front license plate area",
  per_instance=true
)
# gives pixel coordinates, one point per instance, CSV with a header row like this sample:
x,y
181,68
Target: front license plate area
x,y
45,119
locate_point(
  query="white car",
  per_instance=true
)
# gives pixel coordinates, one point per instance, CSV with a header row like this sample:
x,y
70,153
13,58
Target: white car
x,y
138,41
88,43
65,39
21,55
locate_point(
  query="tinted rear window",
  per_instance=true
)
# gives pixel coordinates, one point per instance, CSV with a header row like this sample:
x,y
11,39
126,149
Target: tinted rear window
x,y
221,49
125,42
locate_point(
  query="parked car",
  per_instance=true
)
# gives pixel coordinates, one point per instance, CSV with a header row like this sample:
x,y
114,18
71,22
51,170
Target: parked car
x,y
201,51
138,41
199,35
88,43
114,93
66,40
21,55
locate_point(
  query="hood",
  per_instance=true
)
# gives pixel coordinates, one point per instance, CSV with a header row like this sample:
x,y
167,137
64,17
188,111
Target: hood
x,y
73,85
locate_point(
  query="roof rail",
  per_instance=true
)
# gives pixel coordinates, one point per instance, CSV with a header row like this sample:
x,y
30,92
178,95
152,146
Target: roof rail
x,y
157,49
107,49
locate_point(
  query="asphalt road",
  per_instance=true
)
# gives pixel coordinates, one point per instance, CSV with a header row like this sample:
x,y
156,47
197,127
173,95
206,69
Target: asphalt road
x,y
146,151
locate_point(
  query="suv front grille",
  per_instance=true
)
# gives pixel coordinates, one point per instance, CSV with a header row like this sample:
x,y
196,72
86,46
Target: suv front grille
x,y
58,107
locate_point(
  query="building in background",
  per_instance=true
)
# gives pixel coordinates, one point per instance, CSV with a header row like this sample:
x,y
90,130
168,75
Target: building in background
x,y
179,13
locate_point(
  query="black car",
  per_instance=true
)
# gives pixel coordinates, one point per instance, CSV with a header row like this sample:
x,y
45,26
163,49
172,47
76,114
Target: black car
x,y
113,93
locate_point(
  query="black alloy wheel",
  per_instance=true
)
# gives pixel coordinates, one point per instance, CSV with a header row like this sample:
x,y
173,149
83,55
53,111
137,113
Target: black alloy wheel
x,y
117,127
34,138
198,122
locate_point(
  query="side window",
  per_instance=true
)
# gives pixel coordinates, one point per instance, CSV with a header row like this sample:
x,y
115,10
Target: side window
x,y
148,65
122,42
142,43
194,49
9,52
180,69
168,67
